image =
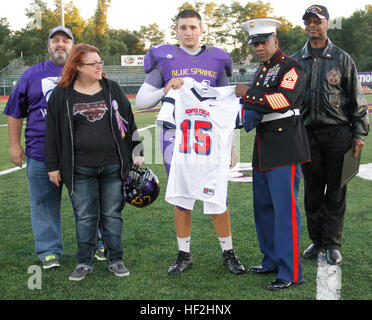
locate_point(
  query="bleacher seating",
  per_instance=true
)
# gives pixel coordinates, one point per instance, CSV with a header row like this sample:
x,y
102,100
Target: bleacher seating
x,y
125,76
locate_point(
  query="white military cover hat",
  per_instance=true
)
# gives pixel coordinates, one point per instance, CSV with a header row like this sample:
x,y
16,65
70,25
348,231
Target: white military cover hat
x,y
261,29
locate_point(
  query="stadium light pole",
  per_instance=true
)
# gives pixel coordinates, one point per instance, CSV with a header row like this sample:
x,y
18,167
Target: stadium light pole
x,y
62,14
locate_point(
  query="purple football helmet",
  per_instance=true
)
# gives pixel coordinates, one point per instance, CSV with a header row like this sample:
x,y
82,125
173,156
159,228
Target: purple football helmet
x,y
142,187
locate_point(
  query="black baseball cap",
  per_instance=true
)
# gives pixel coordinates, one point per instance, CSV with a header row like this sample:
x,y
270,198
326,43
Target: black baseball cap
x,y
63,29
318,10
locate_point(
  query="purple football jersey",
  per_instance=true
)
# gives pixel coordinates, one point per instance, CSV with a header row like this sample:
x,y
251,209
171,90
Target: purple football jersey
x,y
29,98
209,65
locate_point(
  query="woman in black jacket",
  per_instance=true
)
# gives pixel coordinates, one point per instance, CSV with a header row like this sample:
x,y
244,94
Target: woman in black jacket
x,y
91,141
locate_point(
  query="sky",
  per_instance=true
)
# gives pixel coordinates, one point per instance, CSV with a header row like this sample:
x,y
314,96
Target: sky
x,y
125,14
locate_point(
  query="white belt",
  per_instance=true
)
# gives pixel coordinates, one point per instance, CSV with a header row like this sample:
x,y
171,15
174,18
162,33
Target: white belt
x,y
276,116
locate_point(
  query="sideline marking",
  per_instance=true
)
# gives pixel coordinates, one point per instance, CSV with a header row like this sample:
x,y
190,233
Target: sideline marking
x,y
328,280
11,170
242,172
148,127
151,110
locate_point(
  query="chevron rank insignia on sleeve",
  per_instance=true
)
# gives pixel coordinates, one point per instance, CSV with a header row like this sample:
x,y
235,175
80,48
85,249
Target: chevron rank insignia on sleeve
x,y
290,79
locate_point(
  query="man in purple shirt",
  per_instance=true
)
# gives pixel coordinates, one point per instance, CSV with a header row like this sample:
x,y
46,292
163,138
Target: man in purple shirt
x,y
29,99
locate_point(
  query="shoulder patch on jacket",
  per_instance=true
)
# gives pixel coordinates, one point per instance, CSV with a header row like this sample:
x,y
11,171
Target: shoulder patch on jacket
x,y
290,79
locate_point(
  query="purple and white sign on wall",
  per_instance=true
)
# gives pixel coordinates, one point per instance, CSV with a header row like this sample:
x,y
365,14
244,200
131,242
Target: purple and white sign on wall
x,y
365,78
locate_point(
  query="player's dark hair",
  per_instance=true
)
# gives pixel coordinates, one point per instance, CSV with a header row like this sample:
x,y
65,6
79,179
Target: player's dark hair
x,y
188,13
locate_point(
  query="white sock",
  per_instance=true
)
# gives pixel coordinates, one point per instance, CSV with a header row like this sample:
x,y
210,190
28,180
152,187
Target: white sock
x,y
226,243
184,244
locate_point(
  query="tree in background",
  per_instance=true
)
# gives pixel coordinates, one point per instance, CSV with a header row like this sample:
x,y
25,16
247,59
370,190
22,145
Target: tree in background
x,y
211,22
222,24
150,35
292,39
123,42
31,42
101,39
238,15
354,35
6,51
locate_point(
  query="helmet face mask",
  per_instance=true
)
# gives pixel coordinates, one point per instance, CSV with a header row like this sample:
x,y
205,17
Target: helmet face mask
x,y
141,188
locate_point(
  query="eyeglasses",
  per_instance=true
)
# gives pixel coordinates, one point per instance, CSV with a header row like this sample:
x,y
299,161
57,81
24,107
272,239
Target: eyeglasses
x,y
94,64
317,22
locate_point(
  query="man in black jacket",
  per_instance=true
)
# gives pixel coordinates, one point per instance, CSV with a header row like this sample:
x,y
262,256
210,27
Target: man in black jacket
x,y
280,147
335,114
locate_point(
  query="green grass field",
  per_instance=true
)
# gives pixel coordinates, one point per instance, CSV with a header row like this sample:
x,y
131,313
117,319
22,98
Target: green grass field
x,y
149,242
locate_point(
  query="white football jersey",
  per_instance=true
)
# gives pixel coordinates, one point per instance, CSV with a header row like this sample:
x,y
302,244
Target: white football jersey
x,y
204,118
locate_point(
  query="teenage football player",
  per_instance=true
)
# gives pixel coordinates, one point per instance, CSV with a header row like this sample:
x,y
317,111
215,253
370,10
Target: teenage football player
x,y
165,66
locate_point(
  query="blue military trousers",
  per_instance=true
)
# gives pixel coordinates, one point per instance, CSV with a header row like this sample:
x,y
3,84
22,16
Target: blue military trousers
x,y
278,220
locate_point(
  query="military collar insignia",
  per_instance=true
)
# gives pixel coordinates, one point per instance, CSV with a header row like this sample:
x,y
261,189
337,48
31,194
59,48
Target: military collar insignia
x,y
277,55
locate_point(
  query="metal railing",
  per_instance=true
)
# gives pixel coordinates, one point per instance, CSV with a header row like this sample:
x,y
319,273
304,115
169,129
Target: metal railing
x,y
14,66
6,86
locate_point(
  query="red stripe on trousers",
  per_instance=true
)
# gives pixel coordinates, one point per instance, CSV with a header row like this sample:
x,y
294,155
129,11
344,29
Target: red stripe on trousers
x,y
294,226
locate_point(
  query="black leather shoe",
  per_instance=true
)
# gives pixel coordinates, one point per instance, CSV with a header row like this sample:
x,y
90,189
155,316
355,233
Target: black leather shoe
x,y
334,257
279,284
311,252
260,270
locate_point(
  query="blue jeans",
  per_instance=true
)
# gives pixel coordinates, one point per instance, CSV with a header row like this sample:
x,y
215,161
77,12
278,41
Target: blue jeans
x,y
97,198
45,203
99,241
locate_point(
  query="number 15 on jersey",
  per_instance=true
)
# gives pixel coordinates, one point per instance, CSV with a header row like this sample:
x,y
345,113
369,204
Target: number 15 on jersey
x,y
199,130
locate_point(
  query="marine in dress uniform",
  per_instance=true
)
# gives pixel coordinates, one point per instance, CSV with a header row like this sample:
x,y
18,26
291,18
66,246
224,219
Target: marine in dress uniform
x,y
280,146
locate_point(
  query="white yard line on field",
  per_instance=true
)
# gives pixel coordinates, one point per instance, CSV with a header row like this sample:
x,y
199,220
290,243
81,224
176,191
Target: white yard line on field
x,y
328,280
12,170
145,128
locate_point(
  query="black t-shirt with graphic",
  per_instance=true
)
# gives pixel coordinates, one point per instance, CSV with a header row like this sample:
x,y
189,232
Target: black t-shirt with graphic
x,y
94,143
